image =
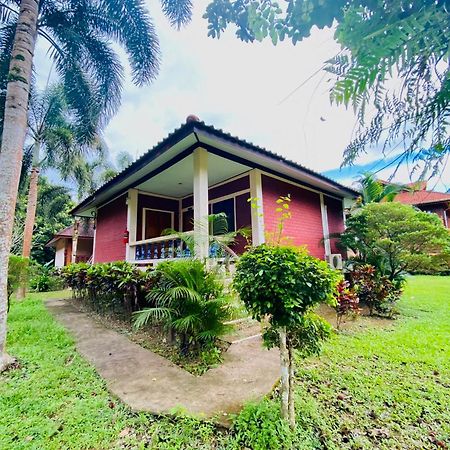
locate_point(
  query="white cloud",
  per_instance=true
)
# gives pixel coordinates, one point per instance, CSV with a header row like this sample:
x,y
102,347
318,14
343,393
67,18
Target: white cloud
x,y
240,87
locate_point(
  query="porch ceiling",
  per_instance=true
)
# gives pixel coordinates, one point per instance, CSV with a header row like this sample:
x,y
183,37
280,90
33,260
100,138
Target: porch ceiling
x,y
177,180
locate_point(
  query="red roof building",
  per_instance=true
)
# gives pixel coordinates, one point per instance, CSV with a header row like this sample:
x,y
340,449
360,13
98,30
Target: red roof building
x,y
429,201
65,249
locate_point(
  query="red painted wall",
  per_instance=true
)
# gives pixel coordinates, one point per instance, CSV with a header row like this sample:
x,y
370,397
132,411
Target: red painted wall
x,y
111,223
305,225
335,220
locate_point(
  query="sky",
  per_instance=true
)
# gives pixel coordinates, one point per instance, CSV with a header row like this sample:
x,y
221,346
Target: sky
x,y
274,96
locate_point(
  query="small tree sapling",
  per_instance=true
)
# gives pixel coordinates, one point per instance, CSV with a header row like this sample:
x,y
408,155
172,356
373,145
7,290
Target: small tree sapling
x,y
283,284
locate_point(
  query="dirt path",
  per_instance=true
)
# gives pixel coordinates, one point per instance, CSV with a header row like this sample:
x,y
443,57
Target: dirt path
x,y
148,382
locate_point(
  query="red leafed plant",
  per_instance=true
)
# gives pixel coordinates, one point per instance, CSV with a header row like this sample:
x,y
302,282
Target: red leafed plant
x,y
347,302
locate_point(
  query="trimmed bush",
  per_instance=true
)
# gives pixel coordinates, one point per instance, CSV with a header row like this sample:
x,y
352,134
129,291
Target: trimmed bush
x,y
115,287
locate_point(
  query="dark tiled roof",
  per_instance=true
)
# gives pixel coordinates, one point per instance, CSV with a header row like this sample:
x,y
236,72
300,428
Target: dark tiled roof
x,y
196,125
85,231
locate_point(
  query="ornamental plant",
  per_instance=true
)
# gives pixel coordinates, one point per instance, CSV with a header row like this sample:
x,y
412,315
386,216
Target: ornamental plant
x,y
376,291
347,302
188,300
282,285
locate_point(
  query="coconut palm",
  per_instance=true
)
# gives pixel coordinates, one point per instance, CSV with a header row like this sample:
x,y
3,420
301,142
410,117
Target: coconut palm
x,y
80,34
374,191
55,141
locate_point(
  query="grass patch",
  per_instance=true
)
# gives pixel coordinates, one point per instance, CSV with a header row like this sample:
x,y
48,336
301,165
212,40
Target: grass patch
x,y
384,388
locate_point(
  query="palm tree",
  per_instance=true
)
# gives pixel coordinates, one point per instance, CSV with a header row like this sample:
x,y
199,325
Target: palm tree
x,y
56,141
80,34
374,191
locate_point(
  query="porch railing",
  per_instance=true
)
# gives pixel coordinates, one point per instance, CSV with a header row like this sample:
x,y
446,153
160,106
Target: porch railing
x,y
171,247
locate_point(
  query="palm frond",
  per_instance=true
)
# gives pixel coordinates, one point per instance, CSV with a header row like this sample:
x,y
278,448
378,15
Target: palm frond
x,y
179,12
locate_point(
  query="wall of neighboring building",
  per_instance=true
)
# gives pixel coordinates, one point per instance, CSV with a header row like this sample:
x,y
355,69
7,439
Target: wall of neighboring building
x,y
60,249
305,226
111,224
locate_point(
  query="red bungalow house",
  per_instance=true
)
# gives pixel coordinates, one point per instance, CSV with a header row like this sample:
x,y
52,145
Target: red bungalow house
x,y
198,170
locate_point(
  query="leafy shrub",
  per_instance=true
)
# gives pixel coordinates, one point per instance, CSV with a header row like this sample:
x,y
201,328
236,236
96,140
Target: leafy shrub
x,y
347,302
259,427
395,238
18,272
46,279
377,292
117,286
283,283
188,299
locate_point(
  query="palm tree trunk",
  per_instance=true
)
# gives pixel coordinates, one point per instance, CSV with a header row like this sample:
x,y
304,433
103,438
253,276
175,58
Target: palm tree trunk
x,y
13,138
31,212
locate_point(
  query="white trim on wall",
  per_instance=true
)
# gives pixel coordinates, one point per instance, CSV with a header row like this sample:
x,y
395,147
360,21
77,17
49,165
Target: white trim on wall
x,y
213,186
257,214
325,227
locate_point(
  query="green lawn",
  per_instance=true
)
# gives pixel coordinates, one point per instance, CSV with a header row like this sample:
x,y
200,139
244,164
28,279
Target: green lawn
x,y
382,388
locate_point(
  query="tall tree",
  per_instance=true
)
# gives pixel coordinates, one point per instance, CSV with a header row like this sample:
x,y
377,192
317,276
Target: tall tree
x,y
80,34
55,141
393,67
52,214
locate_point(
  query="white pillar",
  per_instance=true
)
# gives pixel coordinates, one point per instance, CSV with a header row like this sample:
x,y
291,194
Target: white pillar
x,y
257,212
326,230
132,212
201,203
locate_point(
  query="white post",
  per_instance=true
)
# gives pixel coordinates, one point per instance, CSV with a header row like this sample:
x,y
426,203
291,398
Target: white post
x,y
132,212
257,207
201,202
326,230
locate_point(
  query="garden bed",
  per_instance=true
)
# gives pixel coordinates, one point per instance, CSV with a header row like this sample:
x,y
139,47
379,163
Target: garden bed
x,y
153,338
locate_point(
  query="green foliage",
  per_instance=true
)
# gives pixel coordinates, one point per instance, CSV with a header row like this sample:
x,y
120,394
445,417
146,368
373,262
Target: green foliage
x,y
114,287
394,238
283,283
45,279
384,44
18,273
189,299
306,335
56,400
52,214
373,191
259,427
83,40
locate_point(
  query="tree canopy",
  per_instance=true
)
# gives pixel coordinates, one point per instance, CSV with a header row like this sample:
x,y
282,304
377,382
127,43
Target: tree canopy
x,y
393,67
395,238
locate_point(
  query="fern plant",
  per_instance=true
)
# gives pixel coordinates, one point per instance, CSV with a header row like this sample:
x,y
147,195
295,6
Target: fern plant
x,y
188,299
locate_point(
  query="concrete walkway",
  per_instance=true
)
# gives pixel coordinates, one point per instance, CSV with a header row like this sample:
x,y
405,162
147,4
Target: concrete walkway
x,y
148,382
